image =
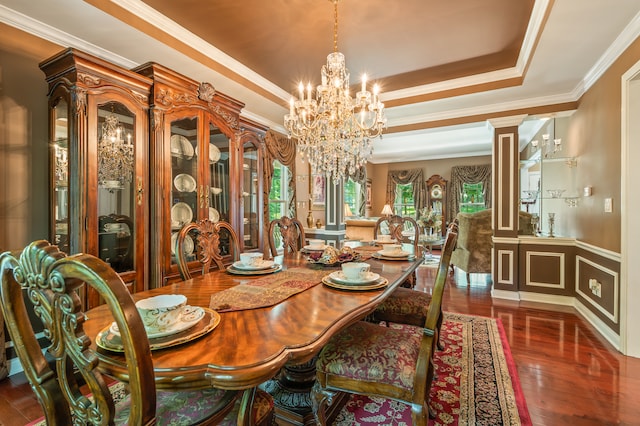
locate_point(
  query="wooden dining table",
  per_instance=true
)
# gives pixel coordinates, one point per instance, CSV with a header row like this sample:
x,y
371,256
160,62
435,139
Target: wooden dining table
x,y
249,347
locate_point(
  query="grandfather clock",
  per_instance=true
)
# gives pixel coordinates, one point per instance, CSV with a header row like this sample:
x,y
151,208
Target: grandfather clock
x,y
437,198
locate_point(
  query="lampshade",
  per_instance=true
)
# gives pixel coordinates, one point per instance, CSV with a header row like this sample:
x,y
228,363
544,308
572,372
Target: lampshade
x,y
347,210
386,210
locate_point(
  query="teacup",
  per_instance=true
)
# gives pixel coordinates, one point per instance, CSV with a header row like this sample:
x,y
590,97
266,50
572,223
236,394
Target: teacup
x,y
384,238
316,244
391,249
355,270
159,313
251,259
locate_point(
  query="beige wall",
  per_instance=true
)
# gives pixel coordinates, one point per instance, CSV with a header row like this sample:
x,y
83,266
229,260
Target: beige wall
x,y
23,139
595,130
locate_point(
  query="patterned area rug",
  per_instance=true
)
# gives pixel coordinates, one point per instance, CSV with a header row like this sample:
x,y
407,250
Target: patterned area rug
x,y
476,382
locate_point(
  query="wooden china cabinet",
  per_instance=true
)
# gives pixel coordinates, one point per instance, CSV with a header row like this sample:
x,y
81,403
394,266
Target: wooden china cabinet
x,y
98,137
206,162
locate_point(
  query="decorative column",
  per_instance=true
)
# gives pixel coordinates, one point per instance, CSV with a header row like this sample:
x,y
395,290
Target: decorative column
x,y
505,205
335,228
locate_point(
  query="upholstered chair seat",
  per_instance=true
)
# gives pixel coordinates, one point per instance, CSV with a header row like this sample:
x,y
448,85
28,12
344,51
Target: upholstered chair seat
x,y
195,407
405,306
367,352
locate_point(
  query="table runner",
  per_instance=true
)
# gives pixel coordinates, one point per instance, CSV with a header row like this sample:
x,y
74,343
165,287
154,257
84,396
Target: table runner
x,y
267,291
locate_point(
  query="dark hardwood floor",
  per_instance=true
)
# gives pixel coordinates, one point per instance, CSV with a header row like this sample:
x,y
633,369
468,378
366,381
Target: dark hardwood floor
x,y
569,374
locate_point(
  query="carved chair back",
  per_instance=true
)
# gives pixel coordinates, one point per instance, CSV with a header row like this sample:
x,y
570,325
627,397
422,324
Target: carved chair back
x,y
401,229
291,232
202,241
51,281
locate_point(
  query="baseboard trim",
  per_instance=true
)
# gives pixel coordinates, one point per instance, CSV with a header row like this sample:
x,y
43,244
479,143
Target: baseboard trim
x,y
598,324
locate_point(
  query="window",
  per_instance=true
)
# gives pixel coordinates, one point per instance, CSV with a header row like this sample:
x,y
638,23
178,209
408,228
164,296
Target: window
x,y
404,204
352,196
279,192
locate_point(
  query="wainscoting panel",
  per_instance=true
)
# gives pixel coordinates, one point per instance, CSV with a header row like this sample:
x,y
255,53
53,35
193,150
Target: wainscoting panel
x,y
597,286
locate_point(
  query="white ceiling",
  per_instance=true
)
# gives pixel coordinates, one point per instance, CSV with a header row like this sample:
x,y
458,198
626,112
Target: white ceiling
x,y
567,44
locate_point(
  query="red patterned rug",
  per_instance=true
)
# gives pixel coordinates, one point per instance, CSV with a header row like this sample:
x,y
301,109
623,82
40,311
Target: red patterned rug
x,y
476,382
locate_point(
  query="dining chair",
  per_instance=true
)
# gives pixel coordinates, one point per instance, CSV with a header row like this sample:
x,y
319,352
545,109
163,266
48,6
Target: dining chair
x,y
408,306
404,230
74,390
208,251
290,231
387,362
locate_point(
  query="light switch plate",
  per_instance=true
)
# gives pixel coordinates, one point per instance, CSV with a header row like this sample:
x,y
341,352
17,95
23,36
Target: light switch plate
x,y
608,205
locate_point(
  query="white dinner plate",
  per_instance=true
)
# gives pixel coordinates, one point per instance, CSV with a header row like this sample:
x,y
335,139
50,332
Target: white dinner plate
x,y
394,254
182,213
181,147
385,242
214,216
189,317
188,244
265,264
311,248
340,278
214,153
184,183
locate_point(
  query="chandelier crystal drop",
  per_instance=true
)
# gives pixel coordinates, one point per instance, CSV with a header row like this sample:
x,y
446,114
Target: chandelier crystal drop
x,y
334,130
115,155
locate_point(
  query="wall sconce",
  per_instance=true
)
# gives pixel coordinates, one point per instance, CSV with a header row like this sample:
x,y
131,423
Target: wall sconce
x,y
556,147
386,210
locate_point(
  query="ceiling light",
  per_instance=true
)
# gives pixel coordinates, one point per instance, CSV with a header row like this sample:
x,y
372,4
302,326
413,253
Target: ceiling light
x,y
334,131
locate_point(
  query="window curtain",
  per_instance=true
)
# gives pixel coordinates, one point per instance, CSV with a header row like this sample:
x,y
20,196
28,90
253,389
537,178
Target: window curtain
x,y
414,177
467,174
283,149
360,177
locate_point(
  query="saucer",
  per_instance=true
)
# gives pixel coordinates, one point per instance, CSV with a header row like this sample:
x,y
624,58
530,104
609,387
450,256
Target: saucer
x,y
190,316
270,270
385,242
312,248
340,278
378,255
394,253
210,319
379,283
265,264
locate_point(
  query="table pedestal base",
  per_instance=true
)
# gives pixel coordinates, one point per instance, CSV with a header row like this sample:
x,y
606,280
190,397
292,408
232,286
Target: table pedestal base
x,y
291,392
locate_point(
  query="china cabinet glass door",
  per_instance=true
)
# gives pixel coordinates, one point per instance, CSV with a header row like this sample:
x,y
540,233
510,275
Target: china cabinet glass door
x,y
60,174
116,186
219,186
250,196
187,196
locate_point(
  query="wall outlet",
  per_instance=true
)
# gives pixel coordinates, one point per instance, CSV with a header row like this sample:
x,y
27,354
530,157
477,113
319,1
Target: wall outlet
x,y
595,287
608,205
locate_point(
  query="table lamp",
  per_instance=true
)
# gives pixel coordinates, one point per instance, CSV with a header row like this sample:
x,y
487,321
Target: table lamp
x,y
386,210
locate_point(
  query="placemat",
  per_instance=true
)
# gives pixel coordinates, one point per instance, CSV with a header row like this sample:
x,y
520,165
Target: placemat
x,y
267,291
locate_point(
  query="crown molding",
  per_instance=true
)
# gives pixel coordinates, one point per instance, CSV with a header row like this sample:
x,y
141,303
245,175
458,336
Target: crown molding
x,y
54,35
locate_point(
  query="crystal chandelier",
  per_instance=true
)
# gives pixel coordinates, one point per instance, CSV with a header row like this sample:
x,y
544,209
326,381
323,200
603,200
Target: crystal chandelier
x,y
115,155
334,131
